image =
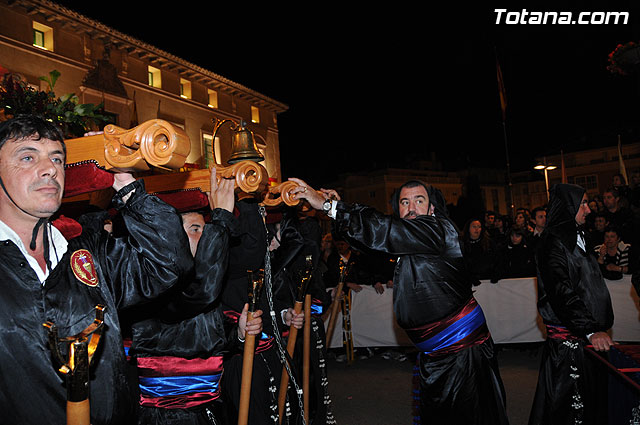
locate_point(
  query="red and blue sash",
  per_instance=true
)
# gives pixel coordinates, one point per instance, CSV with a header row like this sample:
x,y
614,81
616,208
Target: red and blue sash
x,y
465,328
176,383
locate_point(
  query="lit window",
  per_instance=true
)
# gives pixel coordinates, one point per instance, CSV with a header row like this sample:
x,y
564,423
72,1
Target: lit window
x,y
154,77
211,147
213,98
42,36
255,114
185,88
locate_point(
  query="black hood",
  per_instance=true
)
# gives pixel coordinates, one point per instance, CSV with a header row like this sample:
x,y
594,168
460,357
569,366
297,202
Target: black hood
x,y
564,203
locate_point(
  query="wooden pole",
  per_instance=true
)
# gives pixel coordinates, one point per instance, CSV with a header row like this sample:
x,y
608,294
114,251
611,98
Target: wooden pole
x,y
78,412
333,313
247,373
306,356
256,281
284,380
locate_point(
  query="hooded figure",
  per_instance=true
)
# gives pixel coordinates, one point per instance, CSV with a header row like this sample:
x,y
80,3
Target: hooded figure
x,y
433,301
575,306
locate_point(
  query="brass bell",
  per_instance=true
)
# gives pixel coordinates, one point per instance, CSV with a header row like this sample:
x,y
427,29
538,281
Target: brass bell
x,y
243,146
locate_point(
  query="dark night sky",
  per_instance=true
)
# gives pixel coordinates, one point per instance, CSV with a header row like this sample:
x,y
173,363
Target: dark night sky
x,y
368,86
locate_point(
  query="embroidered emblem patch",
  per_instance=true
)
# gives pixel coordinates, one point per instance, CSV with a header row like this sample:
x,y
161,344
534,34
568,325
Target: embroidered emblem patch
x,y
83,267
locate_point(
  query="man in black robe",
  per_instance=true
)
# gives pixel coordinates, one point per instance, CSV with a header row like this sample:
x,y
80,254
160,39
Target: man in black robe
x,y
575,306
47,278
179,340
433,300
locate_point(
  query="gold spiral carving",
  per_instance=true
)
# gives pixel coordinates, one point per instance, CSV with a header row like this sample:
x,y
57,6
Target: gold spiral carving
x,y
284,190
154,142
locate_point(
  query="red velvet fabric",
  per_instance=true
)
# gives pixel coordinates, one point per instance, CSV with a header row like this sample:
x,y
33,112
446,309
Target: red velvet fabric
x,y
67,226
85,177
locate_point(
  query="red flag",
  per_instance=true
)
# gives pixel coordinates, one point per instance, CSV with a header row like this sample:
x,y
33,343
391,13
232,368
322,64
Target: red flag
x,y
502,92
564,171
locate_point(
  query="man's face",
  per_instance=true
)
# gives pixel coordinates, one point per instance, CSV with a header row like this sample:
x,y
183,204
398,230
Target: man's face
x,y
342,247
489,219
611,239
541,218
583,211
414,202
193,224
600,223
33,174
610,201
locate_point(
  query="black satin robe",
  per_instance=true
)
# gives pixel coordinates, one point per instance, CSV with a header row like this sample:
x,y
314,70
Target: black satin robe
x,y
571,294
431,281
130,271
188,321
248,246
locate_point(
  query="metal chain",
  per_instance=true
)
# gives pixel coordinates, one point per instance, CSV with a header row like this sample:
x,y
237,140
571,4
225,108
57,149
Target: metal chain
x,y
272,313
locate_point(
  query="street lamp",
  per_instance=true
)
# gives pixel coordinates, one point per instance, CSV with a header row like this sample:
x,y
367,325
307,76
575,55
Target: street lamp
x,y
546,167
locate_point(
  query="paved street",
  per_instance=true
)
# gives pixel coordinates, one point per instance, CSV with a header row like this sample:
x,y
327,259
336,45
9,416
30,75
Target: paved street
x,y
376,391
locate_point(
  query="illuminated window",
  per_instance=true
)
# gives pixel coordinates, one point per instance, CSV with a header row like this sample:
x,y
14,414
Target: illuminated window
x,y
255,114
210,147
42,36
154,77
185,88
213,98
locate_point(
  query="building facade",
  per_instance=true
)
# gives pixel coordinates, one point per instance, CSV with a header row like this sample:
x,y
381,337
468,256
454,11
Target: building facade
x,y
135,81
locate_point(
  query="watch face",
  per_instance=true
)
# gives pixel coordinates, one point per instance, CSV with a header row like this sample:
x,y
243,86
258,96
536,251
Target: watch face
x,y
327,205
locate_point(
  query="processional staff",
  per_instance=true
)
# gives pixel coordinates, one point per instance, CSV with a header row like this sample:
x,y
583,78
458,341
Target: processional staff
x,y
256,281
306,355
81,349
303,284
337,299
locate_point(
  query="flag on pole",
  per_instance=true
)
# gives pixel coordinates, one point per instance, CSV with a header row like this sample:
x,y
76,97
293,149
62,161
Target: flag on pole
x,y
623,169
502,92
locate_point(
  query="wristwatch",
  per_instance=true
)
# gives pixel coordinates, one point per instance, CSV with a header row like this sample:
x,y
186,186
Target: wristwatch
x,y
326,206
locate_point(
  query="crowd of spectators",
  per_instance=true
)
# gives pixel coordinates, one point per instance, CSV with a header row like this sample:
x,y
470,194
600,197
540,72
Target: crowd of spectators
x,y
502,246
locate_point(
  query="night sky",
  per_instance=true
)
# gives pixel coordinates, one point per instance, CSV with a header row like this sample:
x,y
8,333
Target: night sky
x,y
372,86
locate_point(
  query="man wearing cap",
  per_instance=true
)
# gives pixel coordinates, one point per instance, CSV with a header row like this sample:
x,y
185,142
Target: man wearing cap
x,y
46,278
433,301
575,306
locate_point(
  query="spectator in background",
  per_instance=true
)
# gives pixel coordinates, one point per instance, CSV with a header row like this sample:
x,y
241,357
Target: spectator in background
x,y
515,259
613,255
620,184
499,232
521,221
489,219
616,215
479,250
595,236
539,221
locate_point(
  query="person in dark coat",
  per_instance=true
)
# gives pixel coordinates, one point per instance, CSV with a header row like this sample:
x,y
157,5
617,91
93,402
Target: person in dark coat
x,y
575,306
515,259
47,278
433,300
179,340
479,249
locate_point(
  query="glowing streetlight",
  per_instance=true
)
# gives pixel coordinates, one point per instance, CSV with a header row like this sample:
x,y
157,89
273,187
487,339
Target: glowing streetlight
x,y
546,167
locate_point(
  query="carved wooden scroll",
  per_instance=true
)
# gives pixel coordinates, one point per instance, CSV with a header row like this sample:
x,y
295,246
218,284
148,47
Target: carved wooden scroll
x,y
284,190
155,143
250,177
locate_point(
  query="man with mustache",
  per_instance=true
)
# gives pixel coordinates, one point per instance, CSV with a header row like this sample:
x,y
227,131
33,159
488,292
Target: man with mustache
x,y
46,278
433,300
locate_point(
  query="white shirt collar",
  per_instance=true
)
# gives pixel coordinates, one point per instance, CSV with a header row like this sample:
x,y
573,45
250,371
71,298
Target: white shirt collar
x,y
57,248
